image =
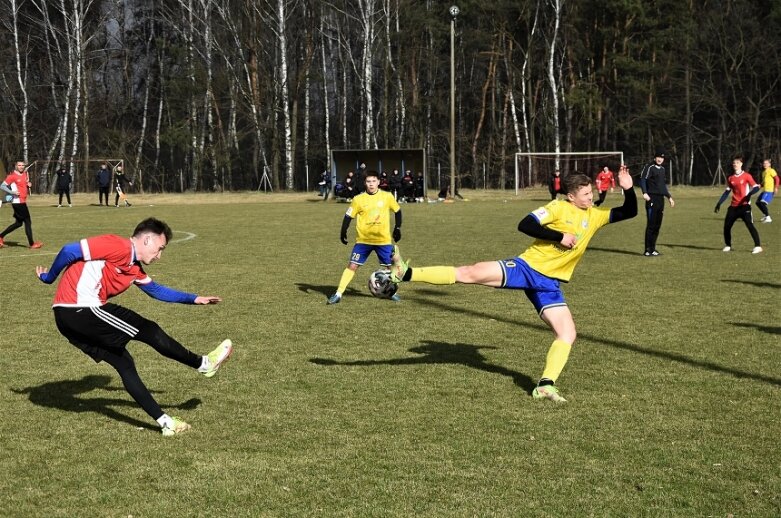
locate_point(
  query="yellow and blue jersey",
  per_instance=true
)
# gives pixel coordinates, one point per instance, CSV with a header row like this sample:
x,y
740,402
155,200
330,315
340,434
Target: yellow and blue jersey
x,y
372,217
553,260
768,179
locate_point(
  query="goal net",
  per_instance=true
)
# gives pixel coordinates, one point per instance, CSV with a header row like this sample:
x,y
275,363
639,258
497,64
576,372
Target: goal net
x,y
537,168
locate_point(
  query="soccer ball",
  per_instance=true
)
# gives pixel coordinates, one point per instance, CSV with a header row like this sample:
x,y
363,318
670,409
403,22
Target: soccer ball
x,y
381,286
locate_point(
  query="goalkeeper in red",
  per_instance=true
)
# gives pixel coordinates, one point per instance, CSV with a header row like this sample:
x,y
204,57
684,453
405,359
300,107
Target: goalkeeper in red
x,y
98,268
562,230
371,210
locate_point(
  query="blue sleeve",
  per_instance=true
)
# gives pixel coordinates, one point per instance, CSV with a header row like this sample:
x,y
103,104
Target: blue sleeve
x,y
723,197
70,253
166,294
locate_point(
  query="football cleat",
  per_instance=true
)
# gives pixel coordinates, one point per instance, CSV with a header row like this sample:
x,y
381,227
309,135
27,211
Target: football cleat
x,y
216,358
2,243
178,426
334,299
399,266
726,249
766,219
548,392
395,297
756,250
36,245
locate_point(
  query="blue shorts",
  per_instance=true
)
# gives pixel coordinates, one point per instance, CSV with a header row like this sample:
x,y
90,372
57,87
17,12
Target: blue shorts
x,y
543,291
766,196
361,252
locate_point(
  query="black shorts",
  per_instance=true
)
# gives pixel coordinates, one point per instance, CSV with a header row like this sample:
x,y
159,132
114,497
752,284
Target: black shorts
x,y
99,330
21,212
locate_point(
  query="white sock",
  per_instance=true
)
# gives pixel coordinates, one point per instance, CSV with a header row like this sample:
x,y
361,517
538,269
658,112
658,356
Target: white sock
x,y
205,364
165,421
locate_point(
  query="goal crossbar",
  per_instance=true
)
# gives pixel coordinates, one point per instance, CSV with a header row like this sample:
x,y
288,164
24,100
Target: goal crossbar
x,y
557,156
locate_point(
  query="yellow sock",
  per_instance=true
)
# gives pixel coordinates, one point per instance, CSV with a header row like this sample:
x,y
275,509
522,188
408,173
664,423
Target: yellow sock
x,y
434,275
347,276
556,359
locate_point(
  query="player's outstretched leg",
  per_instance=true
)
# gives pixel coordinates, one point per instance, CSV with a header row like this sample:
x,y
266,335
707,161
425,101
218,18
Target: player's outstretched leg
x,y
213,360
399,266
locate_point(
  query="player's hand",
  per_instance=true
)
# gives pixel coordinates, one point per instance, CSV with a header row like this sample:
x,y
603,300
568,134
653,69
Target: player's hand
x,y
343,239
397,234
42,274
672,203
646,197
717,208
207,300
569,241
624,178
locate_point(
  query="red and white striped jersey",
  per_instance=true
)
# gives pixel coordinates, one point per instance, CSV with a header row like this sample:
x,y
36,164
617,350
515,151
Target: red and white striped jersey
x,y
109,268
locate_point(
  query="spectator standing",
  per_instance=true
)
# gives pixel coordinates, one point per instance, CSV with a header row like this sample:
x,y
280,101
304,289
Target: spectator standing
x,y
17,186
654,187
63,184
121,185
103,176
394,182
420,188
408,187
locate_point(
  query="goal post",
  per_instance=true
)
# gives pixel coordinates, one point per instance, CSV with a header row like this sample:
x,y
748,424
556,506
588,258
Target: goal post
x,y
536,168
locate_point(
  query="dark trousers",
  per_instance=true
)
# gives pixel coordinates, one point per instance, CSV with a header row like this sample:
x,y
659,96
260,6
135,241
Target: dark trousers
x,y
103,333
602,196
654,210
21,217
67,192
735,213
102,191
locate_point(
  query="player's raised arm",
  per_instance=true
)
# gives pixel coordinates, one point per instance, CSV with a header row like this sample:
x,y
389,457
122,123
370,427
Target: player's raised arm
x,y
629,209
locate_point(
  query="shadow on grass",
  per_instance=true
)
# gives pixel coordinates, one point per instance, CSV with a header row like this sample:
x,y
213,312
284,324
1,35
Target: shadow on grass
x,y
693,247
663,355
433,353
613,251
765,329
755,283
64,395
329,290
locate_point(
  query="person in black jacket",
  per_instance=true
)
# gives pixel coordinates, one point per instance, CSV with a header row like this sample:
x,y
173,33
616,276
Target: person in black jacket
x,y
121,185
63,184
652,183
394,182
103,176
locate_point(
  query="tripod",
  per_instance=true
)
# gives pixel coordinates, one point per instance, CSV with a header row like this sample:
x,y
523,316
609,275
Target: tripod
x,y
265,182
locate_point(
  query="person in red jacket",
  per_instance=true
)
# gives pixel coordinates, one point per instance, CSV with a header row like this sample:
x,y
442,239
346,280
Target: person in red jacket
x,y
16,187
605,180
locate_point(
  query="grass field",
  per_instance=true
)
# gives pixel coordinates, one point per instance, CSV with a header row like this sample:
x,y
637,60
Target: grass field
x,y
419,408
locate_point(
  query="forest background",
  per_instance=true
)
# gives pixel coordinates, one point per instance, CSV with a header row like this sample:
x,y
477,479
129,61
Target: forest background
x,y
207,95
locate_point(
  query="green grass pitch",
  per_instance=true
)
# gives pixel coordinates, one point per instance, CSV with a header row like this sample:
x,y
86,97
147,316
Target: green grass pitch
x,y
421,408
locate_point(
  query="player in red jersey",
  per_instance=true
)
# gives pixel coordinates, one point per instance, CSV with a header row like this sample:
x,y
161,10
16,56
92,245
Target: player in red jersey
x,y
605,180
742,185
17,186
98,268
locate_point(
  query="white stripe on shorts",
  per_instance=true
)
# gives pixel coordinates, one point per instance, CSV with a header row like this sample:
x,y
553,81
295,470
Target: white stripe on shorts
x,y
114,321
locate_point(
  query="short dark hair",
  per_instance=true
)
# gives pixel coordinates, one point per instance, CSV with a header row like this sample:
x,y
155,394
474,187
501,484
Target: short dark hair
x,y
573,182
739,157
371,172
155,226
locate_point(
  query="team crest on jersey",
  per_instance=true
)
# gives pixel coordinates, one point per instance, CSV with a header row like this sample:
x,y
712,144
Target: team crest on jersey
x,y
584,223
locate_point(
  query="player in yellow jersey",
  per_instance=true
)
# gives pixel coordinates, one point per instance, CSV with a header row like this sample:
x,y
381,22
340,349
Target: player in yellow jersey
x,y
563,229
371,210
770,181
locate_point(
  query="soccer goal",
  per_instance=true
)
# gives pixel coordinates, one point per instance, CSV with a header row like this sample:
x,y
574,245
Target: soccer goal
x,y
537,168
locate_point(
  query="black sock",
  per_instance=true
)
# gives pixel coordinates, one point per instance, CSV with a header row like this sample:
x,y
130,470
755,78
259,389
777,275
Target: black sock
x,y
408,275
